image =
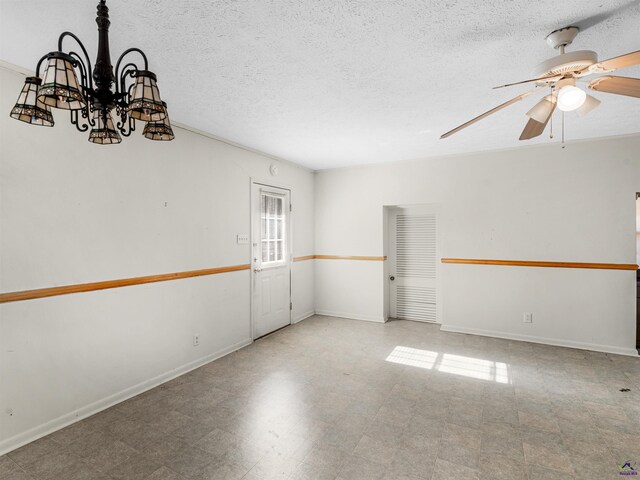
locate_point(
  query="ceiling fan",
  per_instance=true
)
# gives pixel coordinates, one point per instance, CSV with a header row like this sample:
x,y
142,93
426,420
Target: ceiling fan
x,y
559,75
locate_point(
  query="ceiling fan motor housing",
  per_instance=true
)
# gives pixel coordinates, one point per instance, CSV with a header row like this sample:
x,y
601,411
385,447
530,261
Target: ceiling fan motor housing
x,y
567,63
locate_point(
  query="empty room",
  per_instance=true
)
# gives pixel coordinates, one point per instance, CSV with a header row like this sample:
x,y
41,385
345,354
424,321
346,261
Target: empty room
x,y
320,240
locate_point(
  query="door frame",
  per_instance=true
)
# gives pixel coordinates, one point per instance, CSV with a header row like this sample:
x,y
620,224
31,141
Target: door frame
x,y
436,209
637,289
268,183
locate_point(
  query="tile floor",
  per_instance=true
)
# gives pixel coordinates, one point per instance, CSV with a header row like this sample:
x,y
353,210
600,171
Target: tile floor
x,y
341,399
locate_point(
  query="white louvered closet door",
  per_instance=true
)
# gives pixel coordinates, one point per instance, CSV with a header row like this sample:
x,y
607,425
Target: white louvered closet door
x,y
413,264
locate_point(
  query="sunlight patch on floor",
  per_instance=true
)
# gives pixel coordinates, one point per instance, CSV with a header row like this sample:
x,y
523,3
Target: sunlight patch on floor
x,y
474,368
449,363
413,357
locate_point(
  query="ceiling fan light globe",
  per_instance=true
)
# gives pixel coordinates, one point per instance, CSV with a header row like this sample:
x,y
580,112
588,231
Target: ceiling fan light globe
x,y
589,104
570,98
541,110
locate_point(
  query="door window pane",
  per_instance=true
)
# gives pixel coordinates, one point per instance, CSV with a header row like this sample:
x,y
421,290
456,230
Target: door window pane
x,y
271,231
272,228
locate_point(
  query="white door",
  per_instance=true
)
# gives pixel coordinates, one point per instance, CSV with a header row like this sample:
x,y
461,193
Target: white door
x,y
413,267
271,260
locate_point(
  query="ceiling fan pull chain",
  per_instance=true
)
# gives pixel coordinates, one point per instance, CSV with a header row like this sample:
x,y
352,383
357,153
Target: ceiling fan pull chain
x,y
562,129
551,118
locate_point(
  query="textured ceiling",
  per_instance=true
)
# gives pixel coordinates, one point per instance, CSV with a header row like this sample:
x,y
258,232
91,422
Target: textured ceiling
x,y
328,83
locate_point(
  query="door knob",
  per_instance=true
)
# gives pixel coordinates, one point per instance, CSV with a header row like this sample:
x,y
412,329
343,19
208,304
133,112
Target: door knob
x,y
392,278
257,270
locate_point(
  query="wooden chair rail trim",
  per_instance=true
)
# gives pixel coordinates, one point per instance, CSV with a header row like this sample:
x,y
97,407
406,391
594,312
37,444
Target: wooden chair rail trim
x,y
124,282
127,282
350,257
340,257
302,259
529,263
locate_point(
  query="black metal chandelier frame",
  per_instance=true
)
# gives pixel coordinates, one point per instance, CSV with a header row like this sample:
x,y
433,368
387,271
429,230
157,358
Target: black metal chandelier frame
x,y
91,107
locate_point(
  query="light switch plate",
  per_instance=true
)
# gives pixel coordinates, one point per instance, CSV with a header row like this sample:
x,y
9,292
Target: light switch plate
x,y
242,239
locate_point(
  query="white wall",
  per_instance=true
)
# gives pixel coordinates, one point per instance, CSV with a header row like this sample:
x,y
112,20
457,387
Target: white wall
x,y
638,230
538,203
73,212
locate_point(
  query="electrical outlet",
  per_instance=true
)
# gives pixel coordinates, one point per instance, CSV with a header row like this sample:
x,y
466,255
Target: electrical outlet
x,y
242,239
527,318
196,340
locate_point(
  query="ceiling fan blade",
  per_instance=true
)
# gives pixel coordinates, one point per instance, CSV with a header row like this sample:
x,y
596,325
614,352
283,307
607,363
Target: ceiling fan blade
x,y
486,114
626,60
533,128
618,85
538,79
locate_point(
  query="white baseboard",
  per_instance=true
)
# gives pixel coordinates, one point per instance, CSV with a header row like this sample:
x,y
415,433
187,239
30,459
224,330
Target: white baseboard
x,y
543,340
304,316
351,316
57,423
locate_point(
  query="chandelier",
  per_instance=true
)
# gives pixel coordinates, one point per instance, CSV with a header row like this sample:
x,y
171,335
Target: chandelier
x,y
108,103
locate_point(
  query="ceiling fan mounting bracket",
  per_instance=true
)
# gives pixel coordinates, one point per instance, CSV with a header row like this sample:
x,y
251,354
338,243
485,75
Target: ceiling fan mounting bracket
x,y
558,39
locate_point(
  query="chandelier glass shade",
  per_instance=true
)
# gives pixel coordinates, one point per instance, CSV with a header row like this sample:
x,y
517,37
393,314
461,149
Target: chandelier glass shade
x,y
146,104
104,133
103,100
60,87
160,130
29,108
